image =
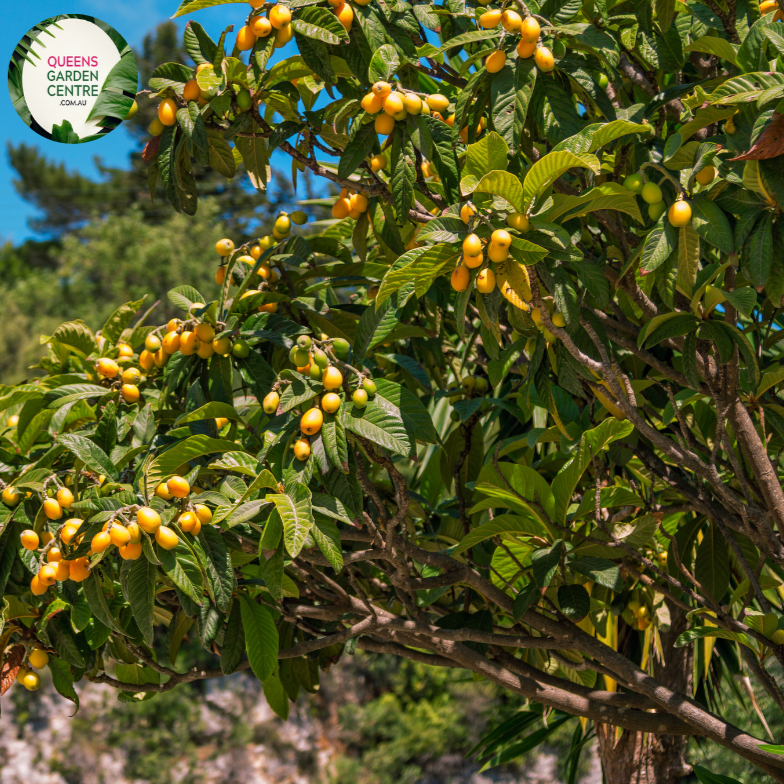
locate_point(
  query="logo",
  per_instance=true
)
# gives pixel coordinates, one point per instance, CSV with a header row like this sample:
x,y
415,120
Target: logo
x,y
73,79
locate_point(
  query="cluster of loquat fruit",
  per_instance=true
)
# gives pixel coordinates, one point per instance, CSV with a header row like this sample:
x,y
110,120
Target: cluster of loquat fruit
x,y
56,551
766,6
468,387
314,358
529,31
679,213
393,105
37,659
474,250
349,204
270,274
192,336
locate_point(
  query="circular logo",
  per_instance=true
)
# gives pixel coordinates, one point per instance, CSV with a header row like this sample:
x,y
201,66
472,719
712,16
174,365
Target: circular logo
x,y
73,79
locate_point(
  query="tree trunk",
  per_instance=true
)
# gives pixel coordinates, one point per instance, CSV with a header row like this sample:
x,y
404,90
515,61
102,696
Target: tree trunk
x,y
638,758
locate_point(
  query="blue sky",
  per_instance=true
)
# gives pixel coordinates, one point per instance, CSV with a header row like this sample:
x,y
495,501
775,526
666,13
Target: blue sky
x,y
132,19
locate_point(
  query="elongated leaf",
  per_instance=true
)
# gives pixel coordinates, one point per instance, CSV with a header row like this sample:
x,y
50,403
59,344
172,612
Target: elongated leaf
x,y
93,592
504,184
592,442
549,168
217,566
296,512
320,24
261,638
712,567
165,464
139,590
374,326
600,570
712,225
93,456
357,150
233,648
658,246
574,601
63,679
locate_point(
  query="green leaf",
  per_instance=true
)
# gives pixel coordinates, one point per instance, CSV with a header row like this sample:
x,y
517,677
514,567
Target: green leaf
x,y
574,601
700,632
296,511
211,410
712,565
217,565
415,264
111,104
720,47
403,161
221,156
665,13
64,642
503,100
711,224
239,462
357,150
189,6
596,135
706,777
198,43
393,418
505,185
607,196
163,466
64,133
276,696
664,326
138,583
592,442
93,592
299,391
758,253
743,299
76,336
256,159
548,169
233,647
332,507
182,569
504,524
545,562
185,297
93,456
119,320
327,537
467,38
178,628
488,154
658,246
751,53
261,638
374,326
320,24
63,679
383,64
333,435
600,570
688,258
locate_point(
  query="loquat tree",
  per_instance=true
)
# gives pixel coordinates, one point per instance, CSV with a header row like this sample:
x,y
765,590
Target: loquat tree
x,y
515,410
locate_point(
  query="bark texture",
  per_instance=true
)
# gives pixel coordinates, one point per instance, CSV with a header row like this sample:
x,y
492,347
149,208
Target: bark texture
x,y
642,758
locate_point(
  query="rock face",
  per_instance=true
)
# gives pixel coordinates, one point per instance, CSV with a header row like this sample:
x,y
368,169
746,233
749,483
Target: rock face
x,y
226,733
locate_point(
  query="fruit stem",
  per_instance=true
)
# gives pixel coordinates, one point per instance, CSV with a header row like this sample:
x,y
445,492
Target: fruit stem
x,y
667,175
